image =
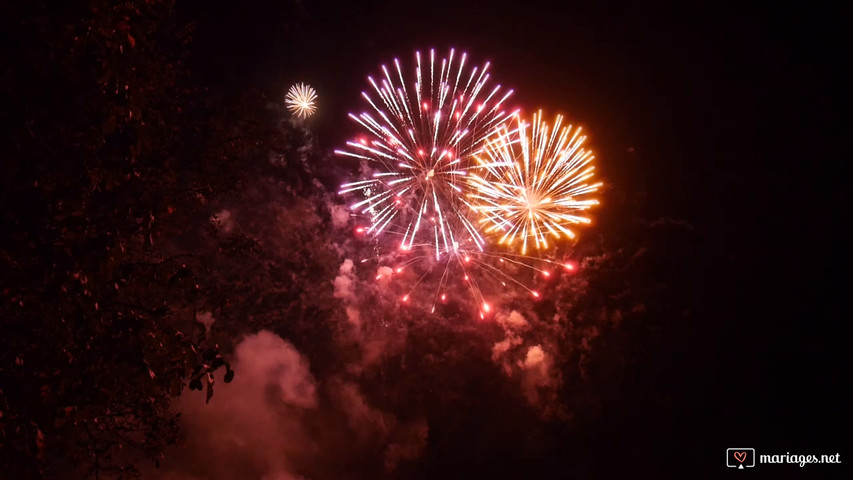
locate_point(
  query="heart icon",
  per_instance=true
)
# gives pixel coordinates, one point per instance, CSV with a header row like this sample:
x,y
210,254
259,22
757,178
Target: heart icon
x,y
740,456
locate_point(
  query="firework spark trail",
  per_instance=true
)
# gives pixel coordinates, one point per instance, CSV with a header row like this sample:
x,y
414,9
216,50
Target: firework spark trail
x,y
421,142
531,185
480,272
300,100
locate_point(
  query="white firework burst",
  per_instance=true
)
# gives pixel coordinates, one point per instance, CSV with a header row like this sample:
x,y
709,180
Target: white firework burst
x,y
300,100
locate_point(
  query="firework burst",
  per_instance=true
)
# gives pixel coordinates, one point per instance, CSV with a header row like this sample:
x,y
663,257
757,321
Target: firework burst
x,y
418,137
300,100
531,182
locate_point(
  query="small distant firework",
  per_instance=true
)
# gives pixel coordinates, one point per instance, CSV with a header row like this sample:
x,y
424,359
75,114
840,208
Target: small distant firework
x,y
300,100
419,138
531,182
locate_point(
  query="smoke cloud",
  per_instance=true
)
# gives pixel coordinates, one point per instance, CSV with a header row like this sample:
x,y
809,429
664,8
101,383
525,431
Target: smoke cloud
x,y
254,427
340,215
345,280
276,421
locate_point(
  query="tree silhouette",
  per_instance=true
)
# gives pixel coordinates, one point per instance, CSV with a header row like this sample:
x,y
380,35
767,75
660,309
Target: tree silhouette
x,y
110,156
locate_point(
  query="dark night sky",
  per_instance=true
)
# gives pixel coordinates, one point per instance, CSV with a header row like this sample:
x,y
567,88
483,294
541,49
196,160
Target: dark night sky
x,y
727,108
722,116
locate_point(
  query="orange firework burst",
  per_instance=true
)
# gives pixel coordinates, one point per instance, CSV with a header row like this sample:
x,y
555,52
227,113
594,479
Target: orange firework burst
x,y
531,182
